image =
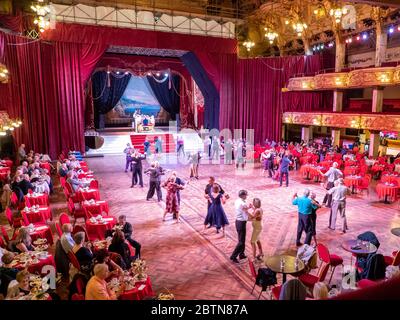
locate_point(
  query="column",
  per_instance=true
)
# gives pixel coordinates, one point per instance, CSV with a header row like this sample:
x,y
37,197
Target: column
x,y
374,142
381,44
283,131
337,101
306,133
335,137
340,55
377,99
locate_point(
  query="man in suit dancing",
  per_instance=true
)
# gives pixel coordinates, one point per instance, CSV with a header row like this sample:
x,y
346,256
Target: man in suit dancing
x,y
137,168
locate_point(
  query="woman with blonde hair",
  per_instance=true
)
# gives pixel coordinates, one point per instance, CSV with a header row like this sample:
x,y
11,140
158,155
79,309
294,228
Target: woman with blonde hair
x,y
320,291
23,242
256,218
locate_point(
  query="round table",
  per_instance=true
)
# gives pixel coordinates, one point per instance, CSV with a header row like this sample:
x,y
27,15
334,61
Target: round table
x,y
96,208
385,191
396,232
34,263
352,182
142,290
274,263
310,171
98,230
364,247
42,214
390,178
41,199
41,231
88,194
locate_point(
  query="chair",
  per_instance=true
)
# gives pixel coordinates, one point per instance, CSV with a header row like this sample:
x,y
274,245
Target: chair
x,y
310,280
366,283
364,185
72,258
64,219
76,213
2,243
63,181
79,228
94,184
332,260
393,261
15,223
58,229
254,276
4,233
77,297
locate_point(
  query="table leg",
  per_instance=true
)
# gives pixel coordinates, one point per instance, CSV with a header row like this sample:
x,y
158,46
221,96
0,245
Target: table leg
x,y
283,278
386,199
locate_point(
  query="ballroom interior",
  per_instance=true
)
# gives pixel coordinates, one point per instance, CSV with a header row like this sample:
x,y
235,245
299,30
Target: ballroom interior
x,y
181,150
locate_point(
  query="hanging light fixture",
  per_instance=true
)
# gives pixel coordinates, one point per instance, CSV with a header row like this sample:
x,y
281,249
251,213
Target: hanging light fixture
x,y
8,124
270,35
3,73
299,28
42,18
338,13
248,45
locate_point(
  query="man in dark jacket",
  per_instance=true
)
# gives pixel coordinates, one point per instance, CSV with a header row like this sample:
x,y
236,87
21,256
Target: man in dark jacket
x,y
137,168
127,229
155,172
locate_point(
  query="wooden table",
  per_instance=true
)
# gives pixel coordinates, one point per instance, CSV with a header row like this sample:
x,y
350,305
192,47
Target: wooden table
x,y
274,263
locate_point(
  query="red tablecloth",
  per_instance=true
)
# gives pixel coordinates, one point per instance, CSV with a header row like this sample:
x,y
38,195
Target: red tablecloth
x,y
41,200
42,231
88,195
98,230
351,170
384,191
377,167
308,158
352,181
326,163
390,179
97,208
136,294
310,171
4,173
37,268
86,175
349,163
42,214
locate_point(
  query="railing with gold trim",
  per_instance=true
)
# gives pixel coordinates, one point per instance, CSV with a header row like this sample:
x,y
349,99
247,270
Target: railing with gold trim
x,y
378,122
362,78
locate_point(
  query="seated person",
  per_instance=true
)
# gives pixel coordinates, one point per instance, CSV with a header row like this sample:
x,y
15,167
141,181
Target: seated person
x,y
63,171
118,245
74,181
20,286
23,242
67,242
82,253
103,256
96,288
7,273
127,229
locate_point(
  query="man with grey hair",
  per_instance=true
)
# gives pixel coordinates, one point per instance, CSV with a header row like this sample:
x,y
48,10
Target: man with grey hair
x,y
332,175
305,207
338,192
67,242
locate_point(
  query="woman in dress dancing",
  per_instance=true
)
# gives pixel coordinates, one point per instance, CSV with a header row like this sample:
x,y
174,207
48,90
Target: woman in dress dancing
x,y
216,215
171,202
256,218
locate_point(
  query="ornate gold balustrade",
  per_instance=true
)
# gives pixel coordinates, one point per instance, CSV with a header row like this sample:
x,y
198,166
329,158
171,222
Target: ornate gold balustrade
x,y
375,122
362,78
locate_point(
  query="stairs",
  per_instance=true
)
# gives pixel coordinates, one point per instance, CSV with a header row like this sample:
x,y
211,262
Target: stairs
x,y
168,142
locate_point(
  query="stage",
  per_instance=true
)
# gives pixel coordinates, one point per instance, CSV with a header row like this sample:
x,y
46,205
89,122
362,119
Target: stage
x,y
116,139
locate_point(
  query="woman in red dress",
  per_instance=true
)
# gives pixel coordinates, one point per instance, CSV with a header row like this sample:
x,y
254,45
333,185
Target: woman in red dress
x,y
171,202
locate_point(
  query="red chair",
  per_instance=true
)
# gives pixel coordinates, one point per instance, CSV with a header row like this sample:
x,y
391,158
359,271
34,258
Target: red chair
x,y
74,260
364,185
309,280
63,181
76,213
5,235
393,261
276,292
365,283
64,219
15,223
254,276
79,228
58,229
94,184
2,243
332,260
77,297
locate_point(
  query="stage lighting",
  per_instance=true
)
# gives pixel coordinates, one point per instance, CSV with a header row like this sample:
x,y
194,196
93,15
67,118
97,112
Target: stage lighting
x,y
364,36
166,74
157,74
391,30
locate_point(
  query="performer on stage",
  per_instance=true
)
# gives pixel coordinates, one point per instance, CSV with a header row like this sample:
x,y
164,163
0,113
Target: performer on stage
x,y
158,145
180,144
155,172
171,202
228,149
147,145
137,168
240,154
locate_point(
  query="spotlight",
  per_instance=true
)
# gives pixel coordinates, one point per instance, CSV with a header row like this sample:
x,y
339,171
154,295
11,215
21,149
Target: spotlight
x,y
358,38
149,74
108,72
166,74
157,74
330,44
126,73
391,30
364,36
117,72
322,46
398,28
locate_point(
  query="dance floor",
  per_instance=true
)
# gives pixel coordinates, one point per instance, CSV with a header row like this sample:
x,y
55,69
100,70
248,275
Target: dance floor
x,y
194,264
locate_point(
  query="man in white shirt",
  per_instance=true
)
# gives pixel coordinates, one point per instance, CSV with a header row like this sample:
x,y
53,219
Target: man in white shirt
x,y
332,175
338,193
241,212
67,242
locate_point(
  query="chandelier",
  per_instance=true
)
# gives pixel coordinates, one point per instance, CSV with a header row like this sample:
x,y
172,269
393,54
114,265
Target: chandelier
x,y
248,45
271,36
338,13
299,28
8,124
3,73
42,18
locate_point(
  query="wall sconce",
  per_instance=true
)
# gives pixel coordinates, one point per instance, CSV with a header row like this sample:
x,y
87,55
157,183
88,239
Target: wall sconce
x,y
384,77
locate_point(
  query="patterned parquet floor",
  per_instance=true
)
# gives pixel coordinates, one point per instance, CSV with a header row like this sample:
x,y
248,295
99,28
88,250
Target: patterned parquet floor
x,y
194,264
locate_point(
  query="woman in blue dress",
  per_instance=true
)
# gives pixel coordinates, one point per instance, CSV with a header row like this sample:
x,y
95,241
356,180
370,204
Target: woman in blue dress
x,y
147,147
216,215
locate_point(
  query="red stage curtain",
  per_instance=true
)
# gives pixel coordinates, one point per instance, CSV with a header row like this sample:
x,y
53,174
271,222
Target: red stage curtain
x,y
251,92
91,55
